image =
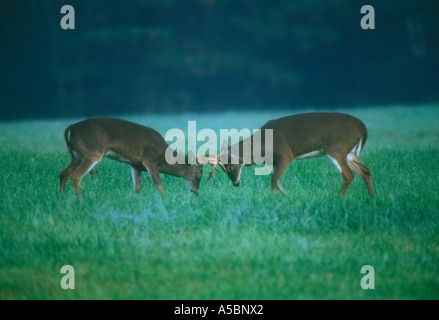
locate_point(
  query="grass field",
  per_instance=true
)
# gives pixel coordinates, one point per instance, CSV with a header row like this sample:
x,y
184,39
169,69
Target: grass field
x,y
226,243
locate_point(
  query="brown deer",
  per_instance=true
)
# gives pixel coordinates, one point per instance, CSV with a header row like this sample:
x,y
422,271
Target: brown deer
x,y
303,136
141,147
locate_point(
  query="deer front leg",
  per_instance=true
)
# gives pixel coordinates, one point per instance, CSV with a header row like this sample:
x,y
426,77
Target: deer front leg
x,y
279,169
155,177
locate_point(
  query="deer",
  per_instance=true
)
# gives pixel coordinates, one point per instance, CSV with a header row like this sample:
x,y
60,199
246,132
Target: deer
x,y
143,148
341,137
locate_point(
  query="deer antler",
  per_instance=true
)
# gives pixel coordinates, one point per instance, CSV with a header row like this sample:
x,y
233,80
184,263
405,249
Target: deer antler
x,y
214,161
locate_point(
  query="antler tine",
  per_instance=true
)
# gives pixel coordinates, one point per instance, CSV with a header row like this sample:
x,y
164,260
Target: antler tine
x,y
212,172
218,161
205,159
212,160
214,164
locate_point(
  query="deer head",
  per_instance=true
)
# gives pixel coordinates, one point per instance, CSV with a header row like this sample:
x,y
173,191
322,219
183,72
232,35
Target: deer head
x,y
194,172
232,170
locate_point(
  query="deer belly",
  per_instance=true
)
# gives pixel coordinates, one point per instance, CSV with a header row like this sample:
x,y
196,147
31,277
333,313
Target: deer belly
x,y
115,156
312,154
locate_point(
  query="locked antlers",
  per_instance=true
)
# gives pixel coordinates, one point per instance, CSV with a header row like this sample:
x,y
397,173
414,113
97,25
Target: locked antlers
x,y
213,161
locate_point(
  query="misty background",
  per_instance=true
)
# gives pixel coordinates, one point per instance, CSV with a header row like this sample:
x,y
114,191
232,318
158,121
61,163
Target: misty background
x,y
161,56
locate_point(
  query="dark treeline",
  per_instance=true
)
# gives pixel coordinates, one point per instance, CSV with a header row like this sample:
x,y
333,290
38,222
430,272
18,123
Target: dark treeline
x,y
200,55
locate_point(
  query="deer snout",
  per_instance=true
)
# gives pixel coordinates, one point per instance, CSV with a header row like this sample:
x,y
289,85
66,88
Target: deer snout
x,y
236,183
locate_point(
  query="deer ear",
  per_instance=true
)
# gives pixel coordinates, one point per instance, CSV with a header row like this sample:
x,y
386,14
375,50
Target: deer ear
x,y
191,158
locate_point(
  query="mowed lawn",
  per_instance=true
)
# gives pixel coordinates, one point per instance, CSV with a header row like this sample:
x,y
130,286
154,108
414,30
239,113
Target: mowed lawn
x,y
226,243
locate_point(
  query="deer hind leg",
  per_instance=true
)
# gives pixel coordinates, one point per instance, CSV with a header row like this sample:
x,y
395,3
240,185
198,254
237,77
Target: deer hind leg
x,y
278,170
67,172
341,164
155,177
84,167
136,174
363,171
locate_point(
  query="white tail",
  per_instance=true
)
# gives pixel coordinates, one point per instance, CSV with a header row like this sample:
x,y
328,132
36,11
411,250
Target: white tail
x,y
141,147
339,136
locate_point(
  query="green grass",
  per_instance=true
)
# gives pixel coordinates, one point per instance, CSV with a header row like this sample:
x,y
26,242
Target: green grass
x,y
227,243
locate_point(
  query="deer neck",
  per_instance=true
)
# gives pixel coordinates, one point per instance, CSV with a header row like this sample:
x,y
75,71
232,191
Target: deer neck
x,y
176,170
